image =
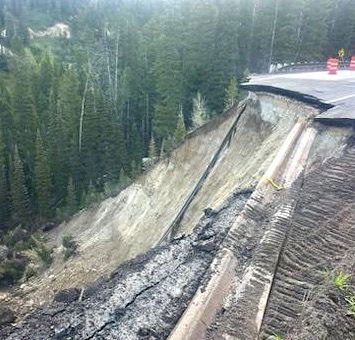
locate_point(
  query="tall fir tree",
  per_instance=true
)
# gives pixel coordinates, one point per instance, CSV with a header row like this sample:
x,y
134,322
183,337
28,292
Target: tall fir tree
x,y
42,180
20,199
71,200
231,94
180,130
4,190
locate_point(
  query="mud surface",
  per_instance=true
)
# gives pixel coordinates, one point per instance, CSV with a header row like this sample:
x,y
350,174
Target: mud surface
x,y
143,298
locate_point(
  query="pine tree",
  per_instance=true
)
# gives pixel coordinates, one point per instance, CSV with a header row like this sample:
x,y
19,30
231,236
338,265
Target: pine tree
x,y
4,192
58,152
71,201
25,118
152,152
19,194
90,152
180,130
199,113
231,94
42,180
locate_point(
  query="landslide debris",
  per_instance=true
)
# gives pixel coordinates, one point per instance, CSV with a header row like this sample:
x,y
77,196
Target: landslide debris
x,y
144,297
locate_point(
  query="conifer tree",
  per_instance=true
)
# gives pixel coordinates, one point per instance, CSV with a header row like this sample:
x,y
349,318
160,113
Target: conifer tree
x,y
231,94
199,112
42,180
71,201
4,193
19,194
152,152
180,130
58,152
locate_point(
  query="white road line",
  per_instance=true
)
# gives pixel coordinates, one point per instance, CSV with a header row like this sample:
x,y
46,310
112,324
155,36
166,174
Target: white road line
x,y
341,98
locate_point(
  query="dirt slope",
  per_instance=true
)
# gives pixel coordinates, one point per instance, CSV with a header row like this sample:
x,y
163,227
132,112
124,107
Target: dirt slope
x,y
125,226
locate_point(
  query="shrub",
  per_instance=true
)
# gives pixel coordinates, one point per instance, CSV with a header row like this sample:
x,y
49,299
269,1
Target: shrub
x,y
340,280
70,246
350,305
44,254
276,337
29,272
11,271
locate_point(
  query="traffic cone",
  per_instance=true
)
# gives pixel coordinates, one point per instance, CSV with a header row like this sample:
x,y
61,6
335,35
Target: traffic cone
x,y
352,64
332,65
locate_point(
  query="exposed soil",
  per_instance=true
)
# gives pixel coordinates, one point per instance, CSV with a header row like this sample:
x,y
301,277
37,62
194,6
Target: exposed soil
x,y
143,298
325,313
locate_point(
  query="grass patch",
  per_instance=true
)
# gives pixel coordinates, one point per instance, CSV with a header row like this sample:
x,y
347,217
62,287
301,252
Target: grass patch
x,y
340,280
350,300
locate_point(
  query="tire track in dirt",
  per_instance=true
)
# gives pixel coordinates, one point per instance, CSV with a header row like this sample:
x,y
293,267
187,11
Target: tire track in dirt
x,y
321,234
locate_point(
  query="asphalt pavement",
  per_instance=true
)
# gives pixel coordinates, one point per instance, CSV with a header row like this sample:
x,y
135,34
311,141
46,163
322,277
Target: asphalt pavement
x,y
333,94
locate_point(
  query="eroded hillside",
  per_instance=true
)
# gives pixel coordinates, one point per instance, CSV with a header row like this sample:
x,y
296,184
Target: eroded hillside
x,y
132,223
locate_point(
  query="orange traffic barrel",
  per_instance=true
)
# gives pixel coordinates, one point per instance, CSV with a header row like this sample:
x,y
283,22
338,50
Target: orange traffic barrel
x,y
352,64
332,65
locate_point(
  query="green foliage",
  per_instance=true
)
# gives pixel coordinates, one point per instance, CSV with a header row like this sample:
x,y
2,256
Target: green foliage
x,y
70,246
71,201
350,305
42,180
11,271
199,113
44,254
180,130
340,280
19,193
29,272
276,337
231,94
152,152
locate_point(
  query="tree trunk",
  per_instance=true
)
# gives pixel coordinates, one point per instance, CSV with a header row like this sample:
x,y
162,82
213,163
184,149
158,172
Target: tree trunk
x,y
273,33
83,111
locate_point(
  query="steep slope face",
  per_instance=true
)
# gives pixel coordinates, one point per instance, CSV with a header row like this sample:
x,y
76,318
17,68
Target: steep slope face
x,y
262,129
122,227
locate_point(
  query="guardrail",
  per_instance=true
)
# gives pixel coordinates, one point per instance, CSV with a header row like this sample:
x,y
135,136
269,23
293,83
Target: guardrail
x,y
173,228
309,67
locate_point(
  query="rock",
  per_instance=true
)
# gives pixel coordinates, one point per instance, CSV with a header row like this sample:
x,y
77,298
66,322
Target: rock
x,y
48,226
7,316
67,295
209,212
4,253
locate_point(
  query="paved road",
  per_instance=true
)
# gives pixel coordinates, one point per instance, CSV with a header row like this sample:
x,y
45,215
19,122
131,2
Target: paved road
x,y
335,94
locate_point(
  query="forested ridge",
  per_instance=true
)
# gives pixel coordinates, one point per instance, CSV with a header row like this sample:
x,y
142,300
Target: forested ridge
x,y
79,111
